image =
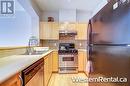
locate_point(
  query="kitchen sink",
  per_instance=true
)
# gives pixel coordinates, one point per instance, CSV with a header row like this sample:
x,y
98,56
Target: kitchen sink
x,y
35,53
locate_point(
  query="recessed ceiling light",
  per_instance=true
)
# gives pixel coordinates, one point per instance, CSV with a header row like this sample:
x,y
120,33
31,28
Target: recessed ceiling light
x,y
115,6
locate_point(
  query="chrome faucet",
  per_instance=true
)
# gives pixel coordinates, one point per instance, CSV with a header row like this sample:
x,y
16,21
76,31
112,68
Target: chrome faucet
x,y
33,41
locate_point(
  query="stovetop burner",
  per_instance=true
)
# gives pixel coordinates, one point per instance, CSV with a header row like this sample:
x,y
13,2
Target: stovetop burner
x,y
72,51
67,48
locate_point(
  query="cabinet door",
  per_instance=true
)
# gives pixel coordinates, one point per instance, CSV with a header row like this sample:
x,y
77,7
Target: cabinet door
x,y
81,31
85,62
50,65
55,61
81,61
46,69
45,30
13,81
72,26
41,30
55,31
68,26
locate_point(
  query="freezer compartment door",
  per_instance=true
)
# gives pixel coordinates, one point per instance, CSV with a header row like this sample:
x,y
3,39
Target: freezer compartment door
x,y
111,61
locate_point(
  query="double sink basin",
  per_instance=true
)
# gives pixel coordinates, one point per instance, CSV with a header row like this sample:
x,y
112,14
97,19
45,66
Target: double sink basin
x,y
35,53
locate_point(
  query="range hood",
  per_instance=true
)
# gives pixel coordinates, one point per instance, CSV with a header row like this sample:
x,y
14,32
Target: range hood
x,y
67,32
67,15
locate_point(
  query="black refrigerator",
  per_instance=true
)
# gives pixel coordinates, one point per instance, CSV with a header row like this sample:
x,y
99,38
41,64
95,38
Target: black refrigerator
x,y
109,46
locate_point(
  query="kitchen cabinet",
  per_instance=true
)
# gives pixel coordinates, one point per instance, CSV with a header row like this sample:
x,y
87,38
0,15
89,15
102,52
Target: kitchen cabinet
x,y
49,30
72,26
81,29
82,60
85,62
67,26
55,61
13,81
45,30
55,31
50,65
47,68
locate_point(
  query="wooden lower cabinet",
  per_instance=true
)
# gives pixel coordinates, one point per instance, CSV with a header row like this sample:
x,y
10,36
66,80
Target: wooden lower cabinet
x,y
50,64
13,81
46,71
82,61
85,63
47,68
55,61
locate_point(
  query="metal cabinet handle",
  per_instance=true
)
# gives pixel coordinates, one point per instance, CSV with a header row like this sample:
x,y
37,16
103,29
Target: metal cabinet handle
x,y
21,80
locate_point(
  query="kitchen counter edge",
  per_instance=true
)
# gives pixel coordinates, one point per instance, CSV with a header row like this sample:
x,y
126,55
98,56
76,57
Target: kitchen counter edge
x,y
22,63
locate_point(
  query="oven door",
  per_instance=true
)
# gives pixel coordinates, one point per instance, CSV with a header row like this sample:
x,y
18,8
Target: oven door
x,y
68,60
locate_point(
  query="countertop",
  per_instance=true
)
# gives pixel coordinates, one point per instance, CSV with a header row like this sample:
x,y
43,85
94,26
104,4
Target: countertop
x,y
16,63
82,50
11,65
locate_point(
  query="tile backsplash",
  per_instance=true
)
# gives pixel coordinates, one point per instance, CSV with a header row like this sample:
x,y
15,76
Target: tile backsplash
x,y
54,44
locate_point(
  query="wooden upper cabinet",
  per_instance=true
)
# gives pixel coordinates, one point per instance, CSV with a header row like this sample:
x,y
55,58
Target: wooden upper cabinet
x,y
49,30
55,31
72,26
13,81
81,31
45,30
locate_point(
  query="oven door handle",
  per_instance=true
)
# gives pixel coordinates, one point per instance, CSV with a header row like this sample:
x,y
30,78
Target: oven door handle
x,y
21,80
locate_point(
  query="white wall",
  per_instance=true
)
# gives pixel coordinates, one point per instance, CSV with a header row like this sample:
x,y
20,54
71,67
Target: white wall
x,y
15,31
67,16
81,16
35,7
46,14
27,5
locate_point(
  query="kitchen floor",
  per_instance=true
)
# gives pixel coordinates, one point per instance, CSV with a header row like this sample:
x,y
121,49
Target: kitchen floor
x,y
66,80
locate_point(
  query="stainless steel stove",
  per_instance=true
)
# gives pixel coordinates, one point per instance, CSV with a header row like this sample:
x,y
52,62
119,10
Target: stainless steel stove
x,y
68,58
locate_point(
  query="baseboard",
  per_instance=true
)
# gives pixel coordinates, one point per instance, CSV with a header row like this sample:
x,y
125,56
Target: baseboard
x,y
80,71
54,71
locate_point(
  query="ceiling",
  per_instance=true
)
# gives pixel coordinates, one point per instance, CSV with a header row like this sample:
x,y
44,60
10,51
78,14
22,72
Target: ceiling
x,y
56,5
